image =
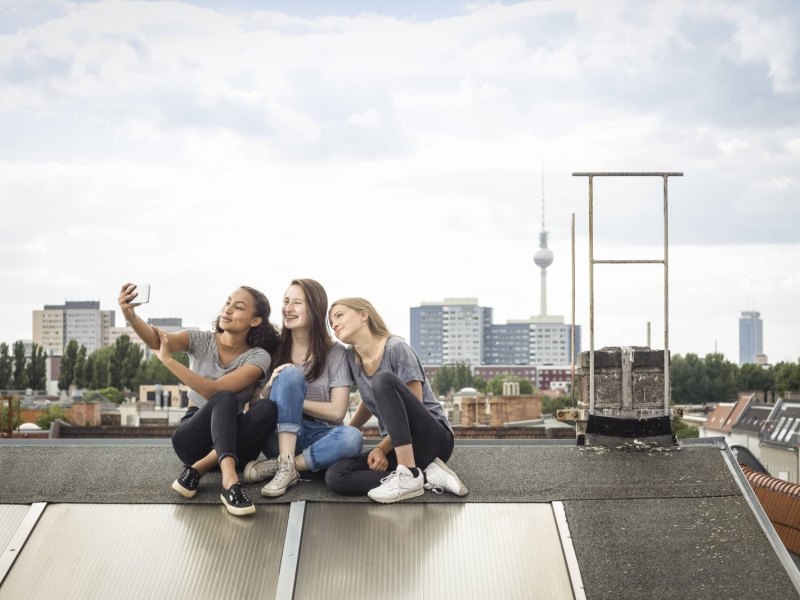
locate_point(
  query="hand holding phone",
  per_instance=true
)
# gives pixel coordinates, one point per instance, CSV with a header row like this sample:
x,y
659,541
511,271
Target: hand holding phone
x,y
142,294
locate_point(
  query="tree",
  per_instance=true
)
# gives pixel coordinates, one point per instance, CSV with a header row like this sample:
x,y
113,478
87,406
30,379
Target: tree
x,y
552,404
37,368
20,379
688,379
4,415
153,371
495,384
125,362
722,375
80,368
111,394
50,414
453,377
97,365
787,377
683,431
66,373
6,368
755,378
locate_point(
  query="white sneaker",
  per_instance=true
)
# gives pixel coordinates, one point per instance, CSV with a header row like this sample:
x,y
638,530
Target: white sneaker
x,y
400,485
285,477
260,470
439,477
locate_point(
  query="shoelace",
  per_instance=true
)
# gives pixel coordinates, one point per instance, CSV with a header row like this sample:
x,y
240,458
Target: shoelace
x,y
238,495
434,488
188,477
392,475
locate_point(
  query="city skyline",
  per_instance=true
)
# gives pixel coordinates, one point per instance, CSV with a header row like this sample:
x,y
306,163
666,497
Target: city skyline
x,y
394,152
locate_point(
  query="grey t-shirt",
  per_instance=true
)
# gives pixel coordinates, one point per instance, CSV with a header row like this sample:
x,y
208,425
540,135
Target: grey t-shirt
x,y
335,374
398,358
204,360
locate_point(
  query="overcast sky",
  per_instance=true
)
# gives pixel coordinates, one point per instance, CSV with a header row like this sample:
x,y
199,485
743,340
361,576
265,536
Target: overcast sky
x,y
394,150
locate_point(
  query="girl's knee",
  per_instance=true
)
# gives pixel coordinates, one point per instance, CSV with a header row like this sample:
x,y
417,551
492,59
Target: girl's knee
x,y
291,376
223,397
335,477
352,440
383,382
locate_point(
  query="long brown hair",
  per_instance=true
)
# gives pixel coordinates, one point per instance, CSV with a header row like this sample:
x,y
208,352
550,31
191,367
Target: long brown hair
x,y
319,337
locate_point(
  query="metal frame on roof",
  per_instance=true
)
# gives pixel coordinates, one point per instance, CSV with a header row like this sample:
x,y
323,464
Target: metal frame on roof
x,y
663,261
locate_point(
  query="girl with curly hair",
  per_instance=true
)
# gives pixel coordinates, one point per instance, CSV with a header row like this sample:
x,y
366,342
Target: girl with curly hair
x,y
225,366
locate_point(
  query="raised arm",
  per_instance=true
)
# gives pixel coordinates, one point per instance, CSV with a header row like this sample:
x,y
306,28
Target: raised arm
x,y
178,342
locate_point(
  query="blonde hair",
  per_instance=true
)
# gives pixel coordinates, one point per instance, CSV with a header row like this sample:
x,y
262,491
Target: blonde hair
x,y
377,326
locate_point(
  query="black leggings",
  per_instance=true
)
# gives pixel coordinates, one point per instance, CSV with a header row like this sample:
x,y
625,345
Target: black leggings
x,y
219,426
408,422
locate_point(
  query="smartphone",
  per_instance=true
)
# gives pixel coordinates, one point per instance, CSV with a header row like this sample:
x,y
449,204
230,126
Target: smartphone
x,y
143,294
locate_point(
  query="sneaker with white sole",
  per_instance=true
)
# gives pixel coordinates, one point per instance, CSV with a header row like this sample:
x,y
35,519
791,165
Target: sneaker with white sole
x,y
236,501
187,482
260,470
285,477
439,477
399,485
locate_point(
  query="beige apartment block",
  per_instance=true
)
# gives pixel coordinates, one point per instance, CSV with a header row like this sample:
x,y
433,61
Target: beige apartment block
x,y
48,330
83,321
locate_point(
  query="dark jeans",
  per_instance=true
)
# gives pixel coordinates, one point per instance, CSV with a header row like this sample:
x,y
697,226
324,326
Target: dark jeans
x,y
408,422
219,426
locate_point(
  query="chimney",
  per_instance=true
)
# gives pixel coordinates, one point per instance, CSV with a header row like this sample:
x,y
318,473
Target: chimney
x,y
629,407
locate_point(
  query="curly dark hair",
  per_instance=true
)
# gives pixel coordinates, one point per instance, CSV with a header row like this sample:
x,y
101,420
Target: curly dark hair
x,y
264,335
318,335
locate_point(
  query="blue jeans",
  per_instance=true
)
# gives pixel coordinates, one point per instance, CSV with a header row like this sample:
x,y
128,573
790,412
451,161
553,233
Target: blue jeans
x,y
321,443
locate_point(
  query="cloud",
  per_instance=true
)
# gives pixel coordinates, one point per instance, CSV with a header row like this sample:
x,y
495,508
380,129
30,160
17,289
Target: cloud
x,y
231,143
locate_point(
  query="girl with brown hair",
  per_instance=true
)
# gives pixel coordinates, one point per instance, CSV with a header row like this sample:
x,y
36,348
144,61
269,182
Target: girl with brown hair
x,y
311,389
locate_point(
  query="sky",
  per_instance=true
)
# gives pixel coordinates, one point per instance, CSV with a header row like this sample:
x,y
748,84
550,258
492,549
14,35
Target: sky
x,y
401,151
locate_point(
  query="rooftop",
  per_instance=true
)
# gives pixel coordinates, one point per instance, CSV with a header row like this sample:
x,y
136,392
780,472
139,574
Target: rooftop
x,y
542,519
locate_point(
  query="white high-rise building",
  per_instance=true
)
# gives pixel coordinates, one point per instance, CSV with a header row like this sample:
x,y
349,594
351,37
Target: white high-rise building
x,y
450,331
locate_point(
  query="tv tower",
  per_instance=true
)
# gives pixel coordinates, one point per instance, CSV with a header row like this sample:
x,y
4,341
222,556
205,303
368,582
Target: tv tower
x,y
543,257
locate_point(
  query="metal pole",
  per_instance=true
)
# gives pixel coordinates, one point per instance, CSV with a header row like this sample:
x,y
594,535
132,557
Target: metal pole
x,y
572,388
591,295
666,297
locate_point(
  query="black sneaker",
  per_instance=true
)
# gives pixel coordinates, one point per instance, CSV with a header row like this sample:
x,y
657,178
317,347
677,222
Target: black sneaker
x,y
236,501
186,484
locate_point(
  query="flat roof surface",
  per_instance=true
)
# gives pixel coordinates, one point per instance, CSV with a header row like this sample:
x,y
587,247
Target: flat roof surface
x,y
663,523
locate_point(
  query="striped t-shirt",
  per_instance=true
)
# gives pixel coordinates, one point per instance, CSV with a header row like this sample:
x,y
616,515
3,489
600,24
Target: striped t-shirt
x,y
204,360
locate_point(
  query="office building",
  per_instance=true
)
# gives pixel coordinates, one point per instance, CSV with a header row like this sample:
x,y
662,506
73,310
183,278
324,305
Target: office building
x,y
83,321
459,330
450,331
751,337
